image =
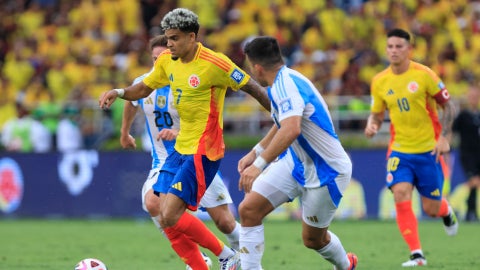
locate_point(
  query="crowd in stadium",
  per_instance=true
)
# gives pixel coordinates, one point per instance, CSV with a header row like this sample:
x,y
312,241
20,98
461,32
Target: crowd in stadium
x,y
57,56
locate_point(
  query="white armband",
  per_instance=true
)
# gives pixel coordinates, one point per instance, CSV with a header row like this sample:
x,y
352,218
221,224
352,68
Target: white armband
x,y
258,149
120,92
260,163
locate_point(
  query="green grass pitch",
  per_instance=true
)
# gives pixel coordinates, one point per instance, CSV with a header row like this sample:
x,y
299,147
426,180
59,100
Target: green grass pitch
x,y
136,244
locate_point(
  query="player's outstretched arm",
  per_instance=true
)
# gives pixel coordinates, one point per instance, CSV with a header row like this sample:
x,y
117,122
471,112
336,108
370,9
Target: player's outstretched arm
x,y
133,92
129,112
258,92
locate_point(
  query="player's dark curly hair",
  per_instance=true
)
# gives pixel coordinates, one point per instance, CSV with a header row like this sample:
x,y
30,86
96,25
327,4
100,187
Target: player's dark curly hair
x,y
182,19
399,33
264,51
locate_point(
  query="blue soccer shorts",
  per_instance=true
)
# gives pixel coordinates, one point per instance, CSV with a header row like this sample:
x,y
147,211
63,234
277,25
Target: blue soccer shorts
x,y
187,177
420,170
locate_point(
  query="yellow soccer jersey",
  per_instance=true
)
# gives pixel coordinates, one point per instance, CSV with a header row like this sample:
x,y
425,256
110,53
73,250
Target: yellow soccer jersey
x,y
199,89
410,99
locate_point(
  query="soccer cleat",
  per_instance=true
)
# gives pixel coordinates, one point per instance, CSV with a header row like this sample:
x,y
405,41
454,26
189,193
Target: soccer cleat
x,y
353,261
450,222
230,263
416,259
207,260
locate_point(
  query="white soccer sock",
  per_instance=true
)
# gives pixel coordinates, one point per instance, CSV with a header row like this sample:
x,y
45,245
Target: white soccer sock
x,y
226,252
233,238
335,253
252,245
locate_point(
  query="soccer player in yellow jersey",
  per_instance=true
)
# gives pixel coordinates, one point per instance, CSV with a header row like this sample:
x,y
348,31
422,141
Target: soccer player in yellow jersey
x,y
411,92
198,78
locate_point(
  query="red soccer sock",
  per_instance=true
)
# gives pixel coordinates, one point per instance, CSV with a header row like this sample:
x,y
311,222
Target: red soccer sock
x,y
196,230
408,225
186,249
443,211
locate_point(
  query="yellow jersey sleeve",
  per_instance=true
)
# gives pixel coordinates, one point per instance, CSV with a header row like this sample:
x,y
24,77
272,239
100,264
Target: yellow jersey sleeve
x,y
157,77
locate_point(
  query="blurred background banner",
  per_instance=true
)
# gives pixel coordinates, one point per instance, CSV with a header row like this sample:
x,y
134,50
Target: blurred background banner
x,y
92,184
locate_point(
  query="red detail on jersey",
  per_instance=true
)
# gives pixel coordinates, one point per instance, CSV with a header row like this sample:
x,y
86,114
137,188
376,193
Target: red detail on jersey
x,y
219,62
201,184
432,114
442,96
194,81
211,142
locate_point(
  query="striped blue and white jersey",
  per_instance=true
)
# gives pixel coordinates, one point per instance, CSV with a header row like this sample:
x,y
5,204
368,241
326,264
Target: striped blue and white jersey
x,y
159,114
317,152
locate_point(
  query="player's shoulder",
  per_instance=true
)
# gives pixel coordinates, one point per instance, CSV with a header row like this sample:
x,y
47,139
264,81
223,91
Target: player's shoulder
x,y
422,68
381,75
164,57
217,59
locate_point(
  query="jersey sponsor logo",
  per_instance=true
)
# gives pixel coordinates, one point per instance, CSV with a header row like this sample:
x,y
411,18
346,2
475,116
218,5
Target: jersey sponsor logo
x,y
11,185
435,193
161,101
177,186
412,87
286,105
237,75
170,77
390,92
194,80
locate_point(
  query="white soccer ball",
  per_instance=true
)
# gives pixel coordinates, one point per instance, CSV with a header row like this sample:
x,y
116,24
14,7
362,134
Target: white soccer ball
x,y
90,264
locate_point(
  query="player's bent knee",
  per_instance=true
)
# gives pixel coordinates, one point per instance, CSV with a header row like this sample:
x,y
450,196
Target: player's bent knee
x,y
249,215
431,211
225,224
152,203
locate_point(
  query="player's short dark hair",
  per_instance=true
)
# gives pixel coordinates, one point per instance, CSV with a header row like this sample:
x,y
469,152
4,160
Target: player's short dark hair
x,y
397,32
158,41
264,51
182,19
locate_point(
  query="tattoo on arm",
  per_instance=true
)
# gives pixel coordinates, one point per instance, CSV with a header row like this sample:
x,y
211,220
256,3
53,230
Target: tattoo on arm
x,y
258,92
447,118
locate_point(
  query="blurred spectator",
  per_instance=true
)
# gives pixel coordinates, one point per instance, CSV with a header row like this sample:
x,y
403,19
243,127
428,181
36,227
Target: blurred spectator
x,y
69,135
467,125
25,134
87,44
